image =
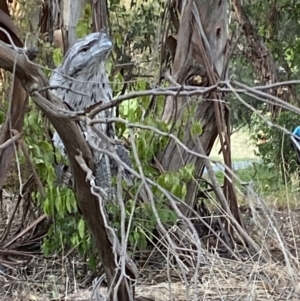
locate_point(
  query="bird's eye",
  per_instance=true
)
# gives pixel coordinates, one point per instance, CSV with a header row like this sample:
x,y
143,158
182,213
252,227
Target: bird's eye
x,y
85,49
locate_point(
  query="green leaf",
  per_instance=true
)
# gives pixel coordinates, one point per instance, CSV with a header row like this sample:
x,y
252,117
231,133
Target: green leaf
x,y
136,236
81,228
58,203
75,240
47,206
196,129
177,190
92,261
45,146
164,215
68,203
57,56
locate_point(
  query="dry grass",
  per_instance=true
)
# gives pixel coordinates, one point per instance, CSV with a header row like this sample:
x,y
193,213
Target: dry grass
x,y
221,280
218,278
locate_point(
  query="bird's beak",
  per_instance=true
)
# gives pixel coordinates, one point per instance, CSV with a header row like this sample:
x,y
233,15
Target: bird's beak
x,y
105,44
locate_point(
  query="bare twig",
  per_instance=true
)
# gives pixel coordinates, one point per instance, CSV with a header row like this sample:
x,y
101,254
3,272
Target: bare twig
x,y
36,222
27,156
54,87
161,133
10,141
268,122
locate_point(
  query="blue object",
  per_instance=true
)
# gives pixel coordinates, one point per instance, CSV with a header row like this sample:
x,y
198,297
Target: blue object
x,y
296,134
297,131
296,146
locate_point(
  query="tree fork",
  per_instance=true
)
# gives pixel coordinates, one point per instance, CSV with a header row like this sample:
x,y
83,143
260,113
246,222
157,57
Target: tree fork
x,y
201,41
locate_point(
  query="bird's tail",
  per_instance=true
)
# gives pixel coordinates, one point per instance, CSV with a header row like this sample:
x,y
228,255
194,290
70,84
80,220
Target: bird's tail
x,y
124,156
63,175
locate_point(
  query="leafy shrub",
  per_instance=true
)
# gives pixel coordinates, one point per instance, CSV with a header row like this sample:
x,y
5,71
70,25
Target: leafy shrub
x,y
277,153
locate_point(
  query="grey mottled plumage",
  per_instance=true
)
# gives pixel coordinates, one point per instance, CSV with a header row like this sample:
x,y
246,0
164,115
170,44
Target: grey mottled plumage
x,y
83,71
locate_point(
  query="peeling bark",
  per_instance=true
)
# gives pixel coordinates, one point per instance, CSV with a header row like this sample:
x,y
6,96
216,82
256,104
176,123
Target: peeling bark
x,y
201,42
60,19
33,18
100,15
72,11
199,53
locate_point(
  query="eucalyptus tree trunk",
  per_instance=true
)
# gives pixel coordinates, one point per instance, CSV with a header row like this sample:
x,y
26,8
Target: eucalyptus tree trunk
x,y
199,53
60,18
